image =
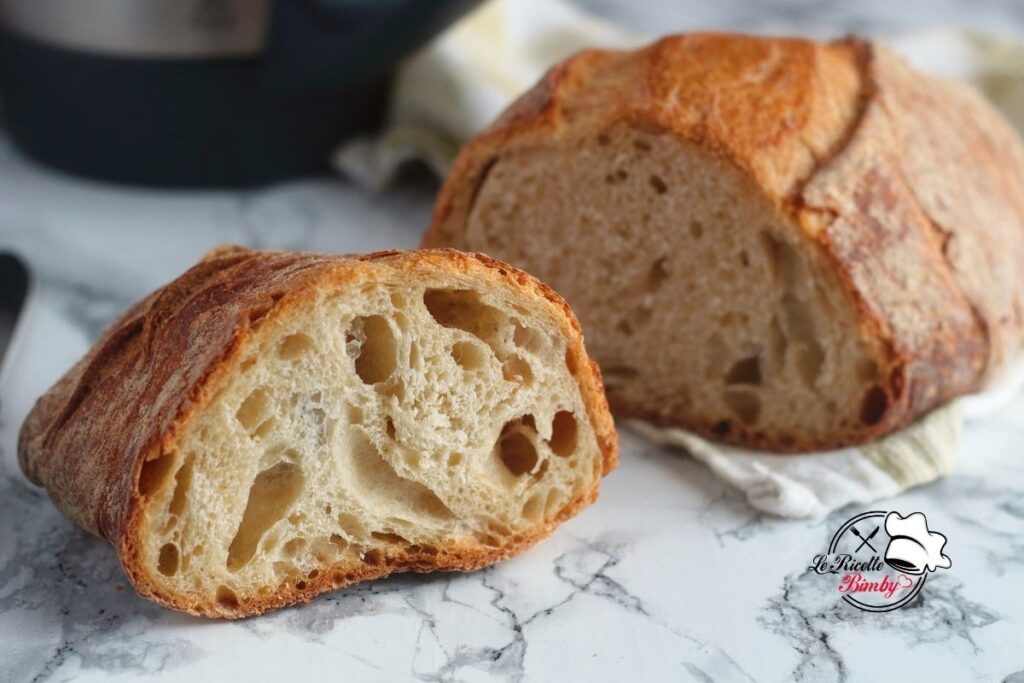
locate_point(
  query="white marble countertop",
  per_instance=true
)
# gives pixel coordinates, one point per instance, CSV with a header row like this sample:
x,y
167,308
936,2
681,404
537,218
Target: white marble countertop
x,y
669,576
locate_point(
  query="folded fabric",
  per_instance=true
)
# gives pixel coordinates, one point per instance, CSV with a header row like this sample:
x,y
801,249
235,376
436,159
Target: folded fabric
x,y
460,82
812,485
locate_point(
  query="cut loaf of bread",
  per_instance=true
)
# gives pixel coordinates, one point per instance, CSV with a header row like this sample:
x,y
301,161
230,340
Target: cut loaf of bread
x,y
775,243
272,425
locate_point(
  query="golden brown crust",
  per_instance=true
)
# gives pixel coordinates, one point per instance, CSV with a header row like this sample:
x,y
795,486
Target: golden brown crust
x,y
911,188
132,394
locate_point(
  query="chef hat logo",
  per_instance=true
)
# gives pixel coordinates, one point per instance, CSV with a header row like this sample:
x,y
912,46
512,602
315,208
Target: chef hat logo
x,y
914,549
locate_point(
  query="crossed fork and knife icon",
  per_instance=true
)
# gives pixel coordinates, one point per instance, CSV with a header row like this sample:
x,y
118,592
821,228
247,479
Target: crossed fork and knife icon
x,y
864,540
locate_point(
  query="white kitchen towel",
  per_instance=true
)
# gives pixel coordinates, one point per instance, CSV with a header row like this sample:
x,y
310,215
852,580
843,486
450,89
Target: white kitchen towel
x,y
812,485
460,82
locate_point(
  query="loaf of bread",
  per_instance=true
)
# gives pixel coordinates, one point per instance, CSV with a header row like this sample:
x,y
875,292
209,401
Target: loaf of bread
x,y
774,243
272,425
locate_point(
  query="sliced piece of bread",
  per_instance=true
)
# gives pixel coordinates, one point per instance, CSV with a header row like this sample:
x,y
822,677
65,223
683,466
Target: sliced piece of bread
x,y
273,425
772,242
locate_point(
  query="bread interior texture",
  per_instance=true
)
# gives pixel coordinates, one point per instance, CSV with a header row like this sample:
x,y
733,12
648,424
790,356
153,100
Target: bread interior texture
x,y
702,304
386,423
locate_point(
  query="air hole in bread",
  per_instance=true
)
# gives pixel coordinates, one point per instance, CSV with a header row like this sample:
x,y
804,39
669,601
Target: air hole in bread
x,y
552,504
462,309
265,427
744,258
351,526
454,459
284,569
534,506
226,597
270,541
293,548
389,537
398,390
373,556
469,356
810,359
487,539
658,184
745,371
498,528
339,542
873,406
377,354
641,145
156,472
253,409
323,551
517,453
528,339
389,428
270,497
745,405
401,322
563,433
515,369
294,346
696,229
515,448
182,484
376,476
167,562
413,459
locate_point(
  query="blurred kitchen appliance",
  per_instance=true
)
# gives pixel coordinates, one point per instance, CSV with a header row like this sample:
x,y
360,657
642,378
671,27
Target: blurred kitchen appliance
x,y
13,292
202,93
